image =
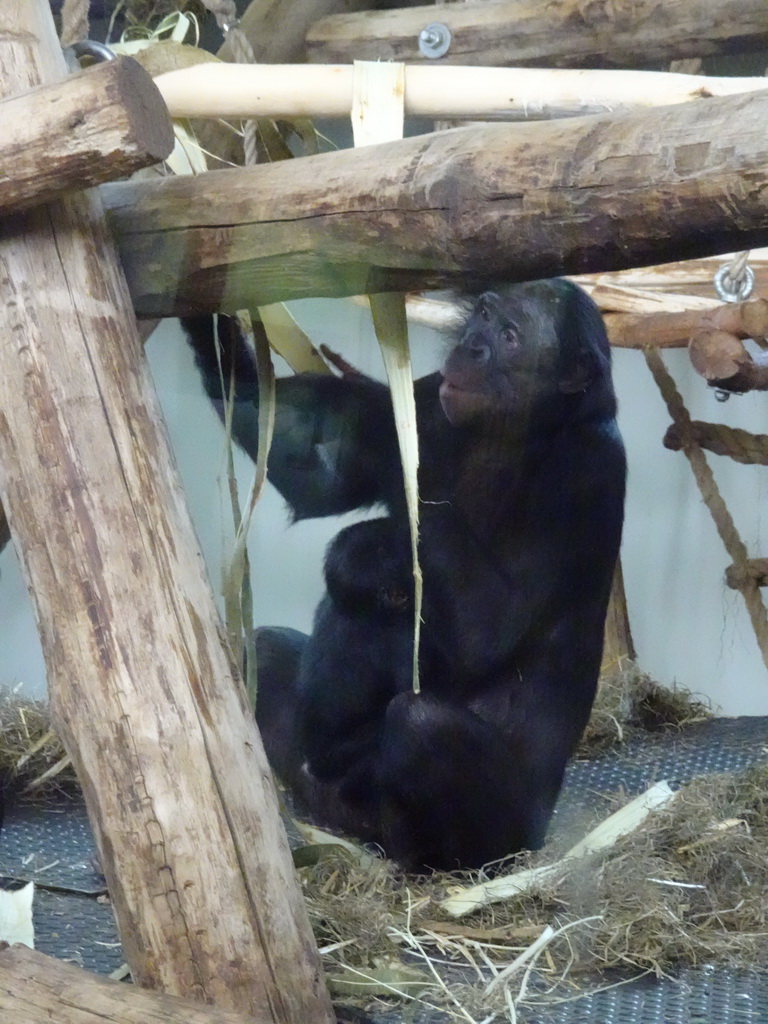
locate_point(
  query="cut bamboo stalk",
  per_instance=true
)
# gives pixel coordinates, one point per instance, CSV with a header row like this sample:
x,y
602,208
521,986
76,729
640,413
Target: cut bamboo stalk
x,y
605,835
326,90
378,116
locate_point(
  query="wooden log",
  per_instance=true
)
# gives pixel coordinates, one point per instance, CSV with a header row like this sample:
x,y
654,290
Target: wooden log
x,y
687,277
211,89
724,362
618,632
515,202
662,330
37,989
100,124
564,33
144,692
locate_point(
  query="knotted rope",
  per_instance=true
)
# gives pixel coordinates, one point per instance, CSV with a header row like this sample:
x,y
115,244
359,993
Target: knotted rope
x,y
712,497
74,21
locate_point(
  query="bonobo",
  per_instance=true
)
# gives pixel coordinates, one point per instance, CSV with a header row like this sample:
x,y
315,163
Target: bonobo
x,y
522,492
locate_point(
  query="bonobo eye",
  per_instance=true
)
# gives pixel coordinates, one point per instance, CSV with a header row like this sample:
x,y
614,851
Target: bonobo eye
x,y
483,310
509,337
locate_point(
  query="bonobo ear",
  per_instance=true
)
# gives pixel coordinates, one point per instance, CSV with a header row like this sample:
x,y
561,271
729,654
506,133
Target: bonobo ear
x,y
585,346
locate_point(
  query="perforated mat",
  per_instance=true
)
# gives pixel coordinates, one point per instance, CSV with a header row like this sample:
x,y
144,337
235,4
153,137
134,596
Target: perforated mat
x,y
54,847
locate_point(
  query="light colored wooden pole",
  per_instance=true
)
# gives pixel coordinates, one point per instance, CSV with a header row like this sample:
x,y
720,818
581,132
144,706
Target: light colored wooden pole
x,y
143,692
496,94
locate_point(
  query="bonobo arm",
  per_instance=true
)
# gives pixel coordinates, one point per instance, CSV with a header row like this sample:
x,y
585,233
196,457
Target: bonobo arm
x,y
334,446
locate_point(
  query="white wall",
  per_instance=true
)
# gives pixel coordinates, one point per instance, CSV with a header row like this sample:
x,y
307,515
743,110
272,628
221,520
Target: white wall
x,y
688,627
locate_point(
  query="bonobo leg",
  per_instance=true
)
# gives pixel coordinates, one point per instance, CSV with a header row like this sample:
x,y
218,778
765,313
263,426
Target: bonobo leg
x,y
348,803
278,653
455,790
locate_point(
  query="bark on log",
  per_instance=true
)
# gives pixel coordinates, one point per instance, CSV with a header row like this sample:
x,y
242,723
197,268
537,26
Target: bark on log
x,y
716,348
37,989
618,632
95,126
143,691
560,33
512,202
725,363
662,330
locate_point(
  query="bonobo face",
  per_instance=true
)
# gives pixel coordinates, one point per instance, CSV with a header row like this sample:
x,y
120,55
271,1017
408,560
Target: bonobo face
x,y
508,355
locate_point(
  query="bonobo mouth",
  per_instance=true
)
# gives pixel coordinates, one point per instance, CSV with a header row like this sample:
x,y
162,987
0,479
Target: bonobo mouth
x,y
459,403
447,385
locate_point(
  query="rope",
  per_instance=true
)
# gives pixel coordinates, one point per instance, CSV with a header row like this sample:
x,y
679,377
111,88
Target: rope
x,y
225,13
734,281
735,275
74,21
713,499
739,445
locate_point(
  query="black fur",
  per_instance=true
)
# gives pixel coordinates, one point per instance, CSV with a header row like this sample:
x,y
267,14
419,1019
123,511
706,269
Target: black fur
x,y
522,490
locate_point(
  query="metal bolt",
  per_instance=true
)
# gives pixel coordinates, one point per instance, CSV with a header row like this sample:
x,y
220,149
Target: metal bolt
x,y
734,291
434,40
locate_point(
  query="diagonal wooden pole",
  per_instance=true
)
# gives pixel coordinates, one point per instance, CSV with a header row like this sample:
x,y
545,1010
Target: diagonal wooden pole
x,y
143,691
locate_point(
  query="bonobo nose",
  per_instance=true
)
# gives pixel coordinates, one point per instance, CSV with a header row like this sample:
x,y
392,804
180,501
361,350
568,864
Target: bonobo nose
x,y
480,352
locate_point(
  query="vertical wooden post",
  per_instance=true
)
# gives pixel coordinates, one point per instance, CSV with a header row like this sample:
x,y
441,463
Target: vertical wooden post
x,y
618,633
143,693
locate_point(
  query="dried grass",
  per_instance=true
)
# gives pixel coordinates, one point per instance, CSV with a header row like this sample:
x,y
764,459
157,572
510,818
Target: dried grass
x,y
690,887
32,758
630,703
147,13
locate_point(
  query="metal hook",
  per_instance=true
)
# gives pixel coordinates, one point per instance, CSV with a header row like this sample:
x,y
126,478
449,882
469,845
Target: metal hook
x,y
87,48
734,291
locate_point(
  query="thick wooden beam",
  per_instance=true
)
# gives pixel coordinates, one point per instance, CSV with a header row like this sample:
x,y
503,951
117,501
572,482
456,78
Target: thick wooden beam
x,y
559,33
511,201
36,989
100,124
143,690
